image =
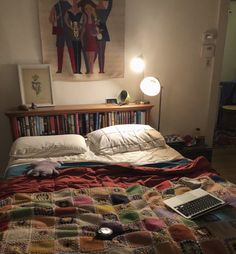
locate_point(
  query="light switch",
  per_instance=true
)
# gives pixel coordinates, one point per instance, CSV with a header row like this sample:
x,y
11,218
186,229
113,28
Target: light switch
x,y
208,50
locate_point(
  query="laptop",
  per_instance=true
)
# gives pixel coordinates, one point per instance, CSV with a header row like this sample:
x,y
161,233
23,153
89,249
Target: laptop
x,y
194,203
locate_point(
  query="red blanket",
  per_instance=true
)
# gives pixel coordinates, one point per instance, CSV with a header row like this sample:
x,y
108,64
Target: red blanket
x,y
122,175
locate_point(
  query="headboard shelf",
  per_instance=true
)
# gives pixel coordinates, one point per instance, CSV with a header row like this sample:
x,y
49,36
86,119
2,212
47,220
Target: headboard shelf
x,y
79,119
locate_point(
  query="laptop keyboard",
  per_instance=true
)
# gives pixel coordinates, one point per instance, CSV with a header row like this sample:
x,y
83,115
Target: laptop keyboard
x,y
198,206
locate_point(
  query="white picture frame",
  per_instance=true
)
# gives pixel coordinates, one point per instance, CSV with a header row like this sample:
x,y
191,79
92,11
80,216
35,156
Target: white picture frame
x,y
36,85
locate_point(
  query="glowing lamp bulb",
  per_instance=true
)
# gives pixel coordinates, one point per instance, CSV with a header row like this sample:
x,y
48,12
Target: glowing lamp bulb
x,y
137,64
150,86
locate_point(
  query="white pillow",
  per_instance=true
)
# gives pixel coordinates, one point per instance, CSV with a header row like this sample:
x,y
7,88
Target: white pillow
x,y
124,138
48,146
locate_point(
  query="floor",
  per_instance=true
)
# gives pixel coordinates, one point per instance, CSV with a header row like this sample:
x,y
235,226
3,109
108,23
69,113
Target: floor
x,y
224,161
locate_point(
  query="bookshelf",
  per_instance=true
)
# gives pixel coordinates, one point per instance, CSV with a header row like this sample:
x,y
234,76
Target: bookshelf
x,y
75,119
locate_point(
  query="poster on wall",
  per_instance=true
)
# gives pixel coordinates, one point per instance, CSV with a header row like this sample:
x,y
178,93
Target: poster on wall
x,y
83,40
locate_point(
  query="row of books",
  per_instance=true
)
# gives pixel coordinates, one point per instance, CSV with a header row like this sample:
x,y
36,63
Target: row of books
x,y
76,123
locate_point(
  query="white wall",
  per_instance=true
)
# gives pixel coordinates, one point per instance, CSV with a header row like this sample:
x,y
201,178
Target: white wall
x,y
167,32
229,63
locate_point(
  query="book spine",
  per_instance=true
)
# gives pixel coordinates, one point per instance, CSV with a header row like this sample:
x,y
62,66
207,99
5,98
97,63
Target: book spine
x,y
73,123
27,126
21,127
49,126
57,125
138,117
82,124
86,123
15,128
66,129
112,118
132,117
45,126
35,126
69,124
77,131
119,117
91,122
41,126
52,125
100,120
143,117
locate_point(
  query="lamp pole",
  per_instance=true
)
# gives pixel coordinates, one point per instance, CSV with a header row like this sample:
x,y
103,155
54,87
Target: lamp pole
x,y
159,111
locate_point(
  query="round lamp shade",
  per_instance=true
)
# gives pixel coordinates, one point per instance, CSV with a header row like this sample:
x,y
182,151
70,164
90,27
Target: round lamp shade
x,y
150,86
137,64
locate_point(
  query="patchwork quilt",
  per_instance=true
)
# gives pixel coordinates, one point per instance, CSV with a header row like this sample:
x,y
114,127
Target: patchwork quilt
x,y
67,220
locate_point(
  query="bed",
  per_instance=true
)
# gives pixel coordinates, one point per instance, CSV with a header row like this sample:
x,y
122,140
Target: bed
x,y
116,179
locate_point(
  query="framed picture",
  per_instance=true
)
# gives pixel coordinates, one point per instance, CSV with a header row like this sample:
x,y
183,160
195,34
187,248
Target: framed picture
x,y
36,85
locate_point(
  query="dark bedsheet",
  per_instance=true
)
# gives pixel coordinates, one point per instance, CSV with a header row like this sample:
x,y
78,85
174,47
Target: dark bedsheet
x,y
62,214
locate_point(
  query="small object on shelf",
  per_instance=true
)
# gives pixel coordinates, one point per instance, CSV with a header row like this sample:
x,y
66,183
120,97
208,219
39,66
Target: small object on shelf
x,y
175,141
142,102
33,106
173,138
199,139
188,147
111,101
23,107
189,140
123,98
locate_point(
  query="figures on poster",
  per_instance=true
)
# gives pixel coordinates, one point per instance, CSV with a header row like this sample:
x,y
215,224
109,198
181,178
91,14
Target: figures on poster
x,y
81,26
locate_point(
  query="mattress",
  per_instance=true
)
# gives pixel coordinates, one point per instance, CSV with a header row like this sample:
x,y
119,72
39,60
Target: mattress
x,y
135,158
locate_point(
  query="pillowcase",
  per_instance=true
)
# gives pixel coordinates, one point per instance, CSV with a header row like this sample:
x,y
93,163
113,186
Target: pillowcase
x,y
124,138
48,146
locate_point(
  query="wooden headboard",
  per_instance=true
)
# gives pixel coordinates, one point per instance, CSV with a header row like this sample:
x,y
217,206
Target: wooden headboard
x,y
75,119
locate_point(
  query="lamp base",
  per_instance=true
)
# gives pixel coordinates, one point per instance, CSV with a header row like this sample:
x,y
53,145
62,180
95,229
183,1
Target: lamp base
x,y
142,102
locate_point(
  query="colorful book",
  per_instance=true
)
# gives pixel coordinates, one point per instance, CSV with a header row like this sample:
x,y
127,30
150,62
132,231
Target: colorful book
x,y
77,131
52,125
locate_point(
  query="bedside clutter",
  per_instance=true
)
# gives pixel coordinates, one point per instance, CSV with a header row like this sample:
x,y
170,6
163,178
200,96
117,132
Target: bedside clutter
x,y
189,146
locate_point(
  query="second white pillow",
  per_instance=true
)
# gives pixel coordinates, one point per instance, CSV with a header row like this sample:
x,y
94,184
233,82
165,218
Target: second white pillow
x,y
124,138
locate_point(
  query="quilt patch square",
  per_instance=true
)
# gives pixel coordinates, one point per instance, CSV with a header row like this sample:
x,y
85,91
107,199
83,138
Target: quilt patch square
x,y
42,196
67,232
19,247
154,224
24,223
21,212
231,245
82,200
67,245
65,211
16,235
43,211
42,247
213,246
128,216
139,239
90,244
104,209
119,199
42,235
43,222
99,191
190,246
22,198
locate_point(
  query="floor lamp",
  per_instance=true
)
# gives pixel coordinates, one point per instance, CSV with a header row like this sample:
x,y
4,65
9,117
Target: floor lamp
x,y
151,86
